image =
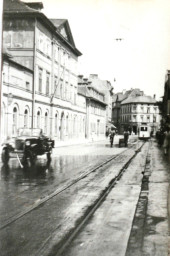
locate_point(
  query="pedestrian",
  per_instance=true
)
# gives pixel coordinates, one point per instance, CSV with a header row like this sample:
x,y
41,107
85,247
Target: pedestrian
x,y
107,133
166,143
112,134
126,137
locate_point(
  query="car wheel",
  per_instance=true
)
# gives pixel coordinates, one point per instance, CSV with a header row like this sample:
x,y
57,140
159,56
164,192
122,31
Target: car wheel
x,y
5,155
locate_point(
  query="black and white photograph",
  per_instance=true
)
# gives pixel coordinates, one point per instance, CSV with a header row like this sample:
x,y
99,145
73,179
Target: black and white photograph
x,y
85,128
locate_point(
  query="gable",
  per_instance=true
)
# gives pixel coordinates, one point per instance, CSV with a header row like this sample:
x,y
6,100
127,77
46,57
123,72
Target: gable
x,y
62,26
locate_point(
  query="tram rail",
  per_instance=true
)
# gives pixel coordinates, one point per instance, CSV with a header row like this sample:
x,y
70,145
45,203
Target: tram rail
x,y
61,189
58,249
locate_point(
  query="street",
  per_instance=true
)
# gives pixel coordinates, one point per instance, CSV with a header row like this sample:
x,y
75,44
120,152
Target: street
x,y
42,206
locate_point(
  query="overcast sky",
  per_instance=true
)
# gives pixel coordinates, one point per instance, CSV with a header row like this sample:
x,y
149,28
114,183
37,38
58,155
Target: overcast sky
x,y
140,59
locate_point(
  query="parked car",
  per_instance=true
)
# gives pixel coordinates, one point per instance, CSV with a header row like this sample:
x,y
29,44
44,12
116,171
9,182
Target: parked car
x,y
29,143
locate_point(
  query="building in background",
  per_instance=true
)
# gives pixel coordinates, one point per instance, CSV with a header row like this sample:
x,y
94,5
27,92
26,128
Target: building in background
x,y
105,87
116,105
166,101
40,77
96,108
132,108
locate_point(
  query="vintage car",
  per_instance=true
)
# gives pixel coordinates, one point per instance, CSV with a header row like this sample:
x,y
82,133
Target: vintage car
x,y
29,143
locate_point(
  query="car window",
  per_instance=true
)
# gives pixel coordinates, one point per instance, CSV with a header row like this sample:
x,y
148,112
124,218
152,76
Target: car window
x,y
29,132
144,129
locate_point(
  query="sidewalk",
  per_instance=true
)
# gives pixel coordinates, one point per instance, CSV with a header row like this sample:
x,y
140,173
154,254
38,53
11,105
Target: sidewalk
x,y
150,229
81,141
158,212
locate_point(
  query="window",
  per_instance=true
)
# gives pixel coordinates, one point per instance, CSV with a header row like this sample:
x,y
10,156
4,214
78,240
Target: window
x,y
15,120
134,118
46,123
61,89
47,83
56,87
134,108
56,121
148,110
28,85
38,119
26,118
56,53
154,119
40,44
144,129
48,48
67,126
40,80
155,109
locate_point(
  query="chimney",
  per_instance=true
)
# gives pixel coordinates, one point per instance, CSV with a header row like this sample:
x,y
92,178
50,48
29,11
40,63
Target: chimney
x,y
154,96
80,79
93,76
35,5
85,80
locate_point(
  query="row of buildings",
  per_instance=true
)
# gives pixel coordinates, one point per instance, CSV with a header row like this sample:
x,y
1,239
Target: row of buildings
x,y
42,88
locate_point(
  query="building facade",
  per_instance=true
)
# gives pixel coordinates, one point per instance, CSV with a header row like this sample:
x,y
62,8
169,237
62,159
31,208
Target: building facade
x,y
96,108
116,105
138,110
166,101
106,88
47,91
17,96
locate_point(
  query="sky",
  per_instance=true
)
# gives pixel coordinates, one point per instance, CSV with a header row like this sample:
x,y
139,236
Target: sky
x,y
142,56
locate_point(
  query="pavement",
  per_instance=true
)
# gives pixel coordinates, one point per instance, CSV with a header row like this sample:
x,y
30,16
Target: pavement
x,y
150,229
104,140
153,237
156,215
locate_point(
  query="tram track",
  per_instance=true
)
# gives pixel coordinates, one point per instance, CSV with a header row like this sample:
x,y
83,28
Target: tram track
x,y
58,248
59,190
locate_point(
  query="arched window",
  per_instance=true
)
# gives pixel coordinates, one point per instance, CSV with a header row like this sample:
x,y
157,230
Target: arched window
x,y
67,125
15,121
46,123
38,119
26,118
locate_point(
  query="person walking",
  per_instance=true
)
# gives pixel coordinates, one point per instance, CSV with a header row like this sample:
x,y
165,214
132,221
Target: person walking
x,y
166,143
126,137
112,134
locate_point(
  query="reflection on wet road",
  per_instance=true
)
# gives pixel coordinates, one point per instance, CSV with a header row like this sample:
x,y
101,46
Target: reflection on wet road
x,y
20,188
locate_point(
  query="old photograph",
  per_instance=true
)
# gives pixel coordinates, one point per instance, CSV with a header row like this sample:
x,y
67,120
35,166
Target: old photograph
x,y
85,128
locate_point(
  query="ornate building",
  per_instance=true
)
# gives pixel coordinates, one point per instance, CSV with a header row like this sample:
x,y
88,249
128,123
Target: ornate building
x,y
40,77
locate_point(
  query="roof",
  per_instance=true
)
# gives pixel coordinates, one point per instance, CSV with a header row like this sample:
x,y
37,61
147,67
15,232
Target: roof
x,y
63,27
17,6
139,99
83,90
21,9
